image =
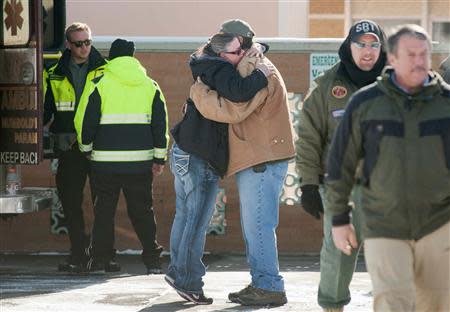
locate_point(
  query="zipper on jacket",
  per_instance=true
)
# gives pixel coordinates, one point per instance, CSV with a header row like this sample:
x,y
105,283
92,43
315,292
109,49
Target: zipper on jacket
x,y
408,102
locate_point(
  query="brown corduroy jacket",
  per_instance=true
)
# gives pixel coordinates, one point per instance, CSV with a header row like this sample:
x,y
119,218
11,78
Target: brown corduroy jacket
x,y
260,130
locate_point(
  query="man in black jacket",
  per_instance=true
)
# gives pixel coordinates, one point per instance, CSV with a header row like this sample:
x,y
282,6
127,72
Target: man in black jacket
x,y
67,85
129,148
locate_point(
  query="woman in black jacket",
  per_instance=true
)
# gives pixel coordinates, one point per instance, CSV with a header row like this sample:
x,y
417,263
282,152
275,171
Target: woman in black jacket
x,y
198,157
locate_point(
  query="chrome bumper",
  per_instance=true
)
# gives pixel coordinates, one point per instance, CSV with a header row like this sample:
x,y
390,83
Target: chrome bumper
x,y
28,199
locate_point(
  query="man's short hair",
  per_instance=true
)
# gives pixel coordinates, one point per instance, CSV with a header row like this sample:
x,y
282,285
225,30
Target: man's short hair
x,y
411,30
77,26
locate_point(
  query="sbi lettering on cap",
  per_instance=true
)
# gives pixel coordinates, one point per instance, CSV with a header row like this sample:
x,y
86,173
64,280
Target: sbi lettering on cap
x,y
365,27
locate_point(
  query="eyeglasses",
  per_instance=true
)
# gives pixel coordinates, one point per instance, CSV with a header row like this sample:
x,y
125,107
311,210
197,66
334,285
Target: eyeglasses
x,y
362,45
80,43
237,52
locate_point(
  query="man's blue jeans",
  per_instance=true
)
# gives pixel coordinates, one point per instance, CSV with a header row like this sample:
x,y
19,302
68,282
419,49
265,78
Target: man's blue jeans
x,y
196,187
259,194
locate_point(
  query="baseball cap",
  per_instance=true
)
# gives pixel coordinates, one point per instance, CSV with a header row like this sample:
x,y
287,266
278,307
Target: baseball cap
x,y
365,27
237,27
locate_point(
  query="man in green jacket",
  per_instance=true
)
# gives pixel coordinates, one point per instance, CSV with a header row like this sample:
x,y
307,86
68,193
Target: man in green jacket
x,y
362,58
399,127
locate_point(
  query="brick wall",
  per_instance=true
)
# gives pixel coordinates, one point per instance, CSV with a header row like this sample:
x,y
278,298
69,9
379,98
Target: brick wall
x,y
297,232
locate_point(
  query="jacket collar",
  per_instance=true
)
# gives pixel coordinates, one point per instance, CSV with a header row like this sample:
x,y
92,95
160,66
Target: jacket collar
x,y
95,60
430,88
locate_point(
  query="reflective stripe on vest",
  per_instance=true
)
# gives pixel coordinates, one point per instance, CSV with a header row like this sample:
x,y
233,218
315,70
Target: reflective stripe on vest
x,y
122,156
160,153
85,148
107,119
63,91
65,106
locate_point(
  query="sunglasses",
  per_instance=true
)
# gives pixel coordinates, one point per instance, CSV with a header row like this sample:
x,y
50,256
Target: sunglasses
x,y
237,52
80,43
362,45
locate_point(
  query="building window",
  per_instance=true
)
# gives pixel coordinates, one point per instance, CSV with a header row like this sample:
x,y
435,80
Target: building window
x,y
441,31
389,25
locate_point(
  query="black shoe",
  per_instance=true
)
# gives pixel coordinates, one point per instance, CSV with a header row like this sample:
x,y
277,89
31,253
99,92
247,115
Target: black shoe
x,y
200,298
112,266
197,298
72,265
171,283
96,267
154,267
100,267
152,271
77,262
252,296
152,261
65,265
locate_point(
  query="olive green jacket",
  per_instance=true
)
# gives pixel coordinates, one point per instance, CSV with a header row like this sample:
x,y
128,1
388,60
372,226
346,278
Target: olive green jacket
x,y
322,110
404,141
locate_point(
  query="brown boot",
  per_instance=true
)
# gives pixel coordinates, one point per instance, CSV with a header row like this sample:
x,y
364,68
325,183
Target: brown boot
x,y
341,309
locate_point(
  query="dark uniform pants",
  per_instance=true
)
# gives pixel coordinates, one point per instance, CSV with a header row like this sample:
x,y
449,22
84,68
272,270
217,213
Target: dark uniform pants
x,y
73,169
137,189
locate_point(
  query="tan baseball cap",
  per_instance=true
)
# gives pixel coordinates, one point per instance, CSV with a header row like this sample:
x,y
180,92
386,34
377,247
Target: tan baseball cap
x,y
237,27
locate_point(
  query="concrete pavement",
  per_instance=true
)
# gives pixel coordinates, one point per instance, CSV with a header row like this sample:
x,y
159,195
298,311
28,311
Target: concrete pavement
x,y
31,283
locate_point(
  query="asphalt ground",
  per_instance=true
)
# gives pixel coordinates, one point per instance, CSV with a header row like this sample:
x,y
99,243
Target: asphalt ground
x,y
32,283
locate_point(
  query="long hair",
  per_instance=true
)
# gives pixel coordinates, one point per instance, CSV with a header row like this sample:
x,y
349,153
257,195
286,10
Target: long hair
x,y
216,44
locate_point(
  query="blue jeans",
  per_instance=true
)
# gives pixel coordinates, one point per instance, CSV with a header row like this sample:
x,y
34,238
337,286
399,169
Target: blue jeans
x,y
196,187
259,194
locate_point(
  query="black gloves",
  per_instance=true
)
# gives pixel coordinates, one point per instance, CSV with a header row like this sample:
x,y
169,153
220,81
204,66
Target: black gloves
x,y
311,200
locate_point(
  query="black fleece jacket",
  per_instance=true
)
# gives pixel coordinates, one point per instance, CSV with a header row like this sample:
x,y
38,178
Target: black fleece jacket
x,y
205,138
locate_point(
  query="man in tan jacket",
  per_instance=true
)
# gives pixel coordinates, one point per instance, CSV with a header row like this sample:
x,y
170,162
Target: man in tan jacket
x,y
261,143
